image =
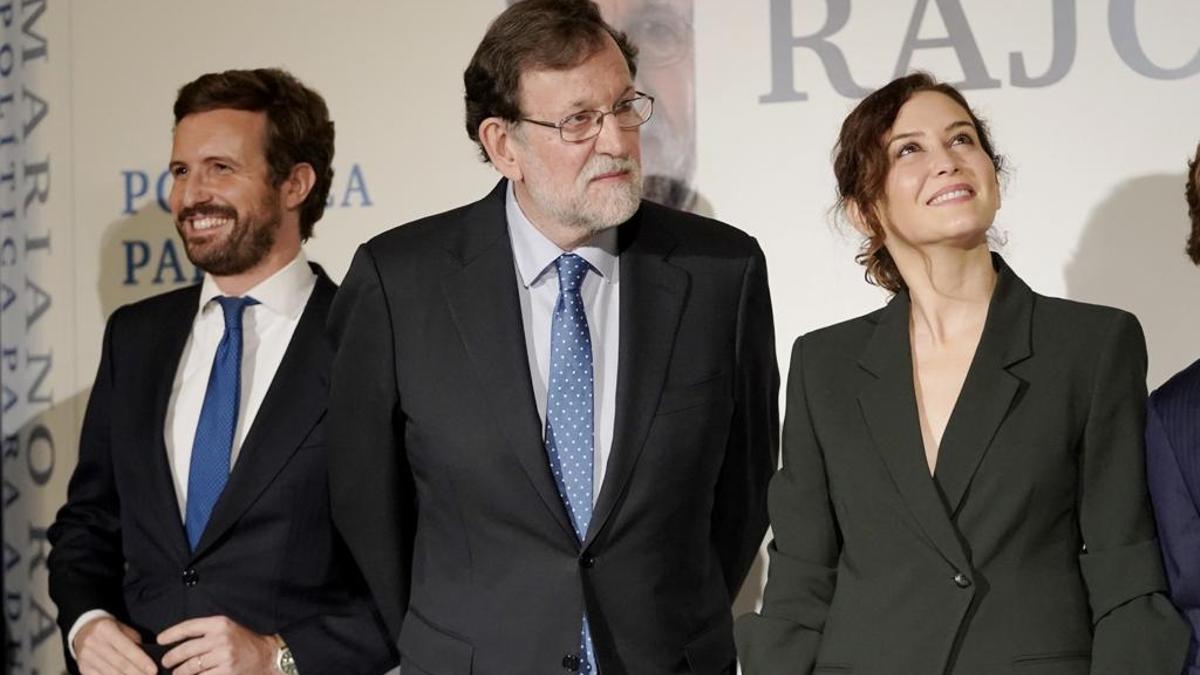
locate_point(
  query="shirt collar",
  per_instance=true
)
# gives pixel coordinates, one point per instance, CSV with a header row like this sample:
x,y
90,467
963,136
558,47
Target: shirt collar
x,y
535,254
284,292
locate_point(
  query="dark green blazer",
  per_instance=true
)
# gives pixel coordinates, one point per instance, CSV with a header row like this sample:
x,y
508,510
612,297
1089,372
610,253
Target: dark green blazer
x,y
1031,551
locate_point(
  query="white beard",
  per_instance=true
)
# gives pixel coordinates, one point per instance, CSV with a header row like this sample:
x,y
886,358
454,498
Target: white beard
x,y
575,208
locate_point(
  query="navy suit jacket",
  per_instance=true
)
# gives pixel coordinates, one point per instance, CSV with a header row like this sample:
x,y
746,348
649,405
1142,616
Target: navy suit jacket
x,y
1173,470
269,558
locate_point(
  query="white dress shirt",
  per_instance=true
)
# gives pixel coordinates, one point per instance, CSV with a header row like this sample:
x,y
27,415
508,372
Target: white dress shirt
x,y
267,330
537,286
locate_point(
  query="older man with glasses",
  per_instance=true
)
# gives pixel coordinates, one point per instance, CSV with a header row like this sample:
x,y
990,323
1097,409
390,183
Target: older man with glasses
x,y
555,409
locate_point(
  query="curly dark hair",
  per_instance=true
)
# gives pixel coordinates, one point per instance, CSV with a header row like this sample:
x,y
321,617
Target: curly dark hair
x,y
299,130
861,164
541,34
1192,192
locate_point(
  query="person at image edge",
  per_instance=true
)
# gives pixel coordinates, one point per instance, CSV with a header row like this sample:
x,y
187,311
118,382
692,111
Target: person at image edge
x,y
197,537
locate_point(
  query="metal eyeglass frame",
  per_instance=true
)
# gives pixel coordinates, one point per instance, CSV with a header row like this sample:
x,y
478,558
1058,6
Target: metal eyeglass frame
x,y
599,120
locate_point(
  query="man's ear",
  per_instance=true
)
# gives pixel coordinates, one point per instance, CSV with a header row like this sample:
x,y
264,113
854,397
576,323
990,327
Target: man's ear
x,y
297,185
503,146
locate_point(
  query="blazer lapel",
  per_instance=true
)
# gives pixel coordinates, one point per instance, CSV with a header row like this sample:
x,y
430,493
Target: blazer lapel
x,y
294,403
164,359
652,299
890,407
989,390
482,296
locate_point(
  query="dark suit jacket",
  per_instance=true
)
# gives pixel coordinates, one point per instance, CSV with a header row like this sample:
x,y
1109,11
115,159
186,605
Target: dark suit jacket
x,y
443,489
1033,550
269,558
1173,469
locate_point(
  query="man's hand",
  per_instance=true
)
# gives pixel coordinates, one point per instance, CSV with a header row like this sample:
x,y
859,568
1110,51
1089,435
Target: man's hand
x,y
216,645
105,646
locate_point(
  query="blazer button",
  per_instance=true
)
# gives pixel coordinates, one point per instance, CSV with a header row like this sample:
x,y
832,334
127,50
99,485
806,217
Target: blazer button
x,y
570,662
961,580
587,561
190,577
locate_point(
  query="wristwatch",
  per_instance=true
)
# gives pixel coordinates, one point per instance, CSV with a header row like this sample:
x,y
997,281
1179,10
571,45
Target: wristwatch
x,y
284,662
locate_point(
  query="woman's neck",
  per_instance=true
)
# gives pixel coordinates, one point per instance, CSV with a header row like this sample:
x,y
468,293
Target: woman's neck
x,y
950,289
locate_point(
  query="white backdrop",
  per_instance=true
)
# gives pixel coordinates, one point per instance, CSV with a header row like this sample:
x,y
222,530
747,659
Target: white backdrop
x,y
1093,207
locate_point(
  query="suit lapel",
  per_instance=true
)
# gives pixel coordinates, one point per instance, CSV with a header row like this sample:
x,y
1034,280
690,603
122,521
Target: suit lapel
x,y
294,403
652,299
989,390
164,363
482,296
890,407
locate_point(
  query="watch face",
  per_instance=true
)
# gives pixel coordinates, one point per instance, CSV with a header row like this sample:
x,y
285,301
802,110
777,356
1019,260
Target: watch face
x,y
285,662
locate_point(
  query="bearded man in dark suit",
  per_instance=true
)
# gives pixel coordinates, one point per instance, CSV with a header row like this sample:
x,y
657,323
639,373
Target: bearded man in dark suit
x,y
555,409
197,527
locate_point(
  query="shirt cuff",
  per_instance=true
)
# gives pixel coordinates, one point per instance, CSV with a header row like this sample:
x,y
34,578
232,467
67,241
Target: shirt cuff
x,y
79,623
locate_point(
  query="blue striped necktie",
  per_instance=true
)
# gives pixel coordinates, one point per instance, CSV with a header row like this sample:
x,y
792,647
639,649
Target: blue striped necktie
x,y
209,468
570,429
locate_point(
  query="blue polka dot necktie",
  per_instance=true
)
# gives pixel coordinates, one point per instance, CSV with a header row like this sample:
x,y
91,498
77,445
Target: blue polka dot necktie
x,y
209,468
570,429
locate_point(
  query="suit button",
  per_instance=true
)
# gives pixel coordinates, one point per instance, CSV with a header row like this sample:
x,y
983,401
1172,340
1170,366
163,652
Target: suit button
x,y
570,662
587,561
961,580
190,577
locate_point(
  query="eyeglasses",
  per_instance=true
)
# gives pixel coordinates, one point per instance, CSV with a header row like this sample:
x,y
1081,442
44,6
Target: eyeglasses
x,y
584,125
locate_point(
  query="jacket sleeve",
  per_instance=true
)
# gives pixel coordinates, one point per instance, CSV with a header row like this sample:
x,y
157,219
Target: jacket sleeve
x,y
739,518
86,562
1136,630
371,490
1176,516
783,638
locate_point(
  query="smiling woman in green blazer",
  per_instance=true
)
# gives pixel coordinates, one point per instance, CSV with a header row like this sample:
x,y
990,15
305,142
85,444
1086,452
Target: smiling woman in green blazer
x,y
963,489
